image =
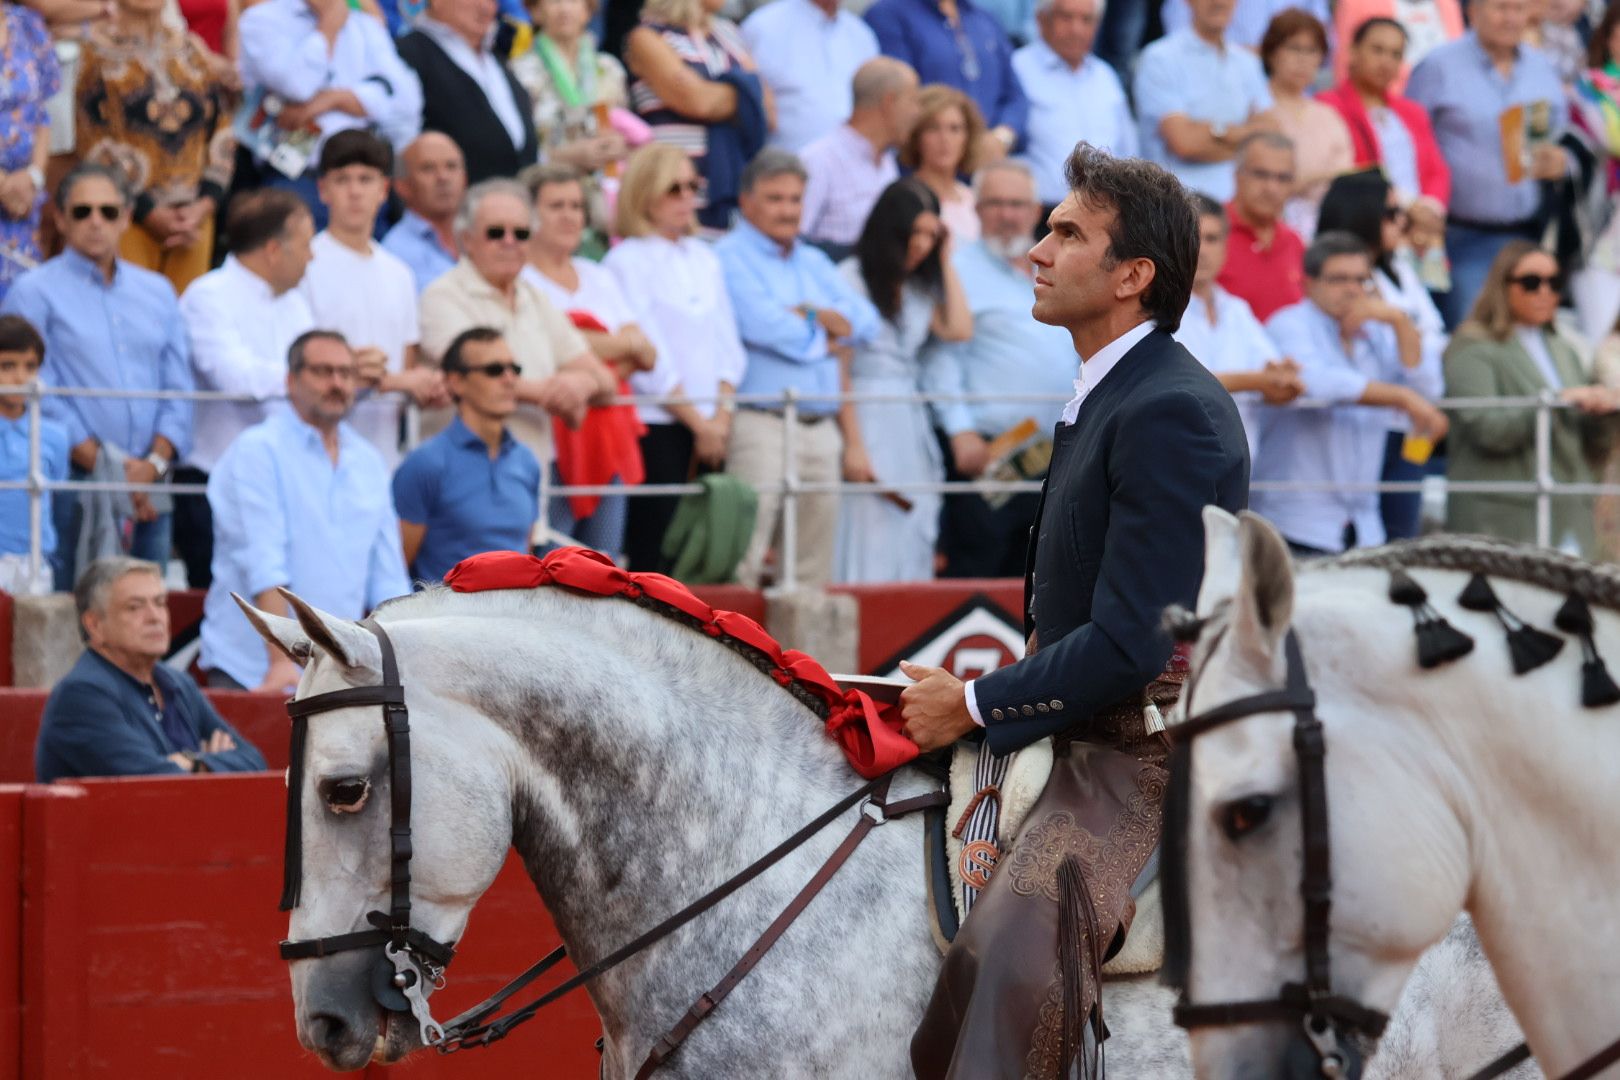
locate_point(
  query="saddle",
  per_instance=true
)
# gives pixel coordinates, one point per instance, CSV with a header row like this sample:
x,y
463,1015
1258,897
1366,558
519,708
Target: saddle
x,y
1020,992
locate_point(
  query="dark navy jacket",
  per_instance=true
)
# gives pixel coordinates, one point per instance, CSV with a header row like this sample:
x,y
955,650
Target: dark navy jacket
x,y
98,722
1119,537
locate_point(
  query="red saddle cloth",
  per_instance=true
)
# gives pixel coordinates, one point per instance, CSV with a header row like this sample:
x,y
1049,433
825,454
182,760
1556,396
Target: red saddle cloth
x,y
868,733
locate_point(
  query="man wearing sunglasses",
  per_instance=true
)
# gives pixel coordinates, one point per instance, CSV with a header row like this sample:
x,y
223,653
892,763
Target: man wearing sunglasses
x,y
558,375
108,324
472,487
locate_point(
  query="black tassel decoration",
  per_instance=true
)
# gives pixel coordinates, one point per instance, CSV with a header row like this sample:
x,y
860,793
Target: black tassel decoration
x,y
1530,648
1438,642
1597,687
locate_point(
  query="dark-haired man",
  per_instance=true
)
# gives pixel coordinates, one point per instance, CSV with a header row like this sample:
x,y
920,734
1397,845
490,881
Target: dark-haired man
x,y
472,487
301,501
241,319
364,292
108,323
1148,441
22,351
1353,348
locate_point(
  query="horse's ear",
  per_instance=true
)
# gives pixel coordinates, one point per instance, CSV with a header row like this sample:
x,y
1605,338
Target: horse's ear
x,y
285,634
1221,563
346,642
1263,605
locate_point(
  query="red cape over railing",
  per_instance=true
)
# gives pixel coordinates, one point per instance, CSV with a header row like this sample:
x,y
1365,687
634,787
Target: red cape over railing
x,y
868,733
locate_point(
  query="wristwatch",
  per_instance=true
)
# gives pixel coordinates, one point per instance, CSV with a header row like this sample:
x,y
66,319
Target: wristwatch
x,y
1217,131
160,463
37,175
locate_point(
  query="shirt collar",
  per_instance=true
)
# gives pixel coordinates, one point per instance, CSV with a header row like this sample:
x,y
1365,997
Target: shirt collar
x,y
464,436
762,243
85,268
1049,57
1095,368
1472,38
282,412
160,677
255,285
448,39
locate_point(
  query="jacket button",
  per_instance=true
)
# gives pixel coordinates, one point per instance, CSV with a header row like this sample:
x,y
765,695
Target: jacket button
x,y
995,714
1042,707
1057,705
1029,710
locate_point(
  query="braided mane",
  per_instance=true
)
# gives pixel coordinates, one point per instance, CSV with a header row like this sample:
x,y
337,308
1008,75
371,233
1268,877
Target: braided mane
x,y
1543,567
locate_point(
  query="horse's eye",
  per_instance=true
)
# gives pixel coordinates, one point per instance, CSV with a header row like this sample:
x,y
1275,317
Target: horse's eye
x,y
347,795
1241,817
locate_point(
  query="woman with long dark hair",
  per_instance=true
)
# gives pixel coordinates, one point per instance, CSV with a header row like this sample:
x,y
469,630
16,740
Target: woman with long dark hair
x,y
1368,207
902,264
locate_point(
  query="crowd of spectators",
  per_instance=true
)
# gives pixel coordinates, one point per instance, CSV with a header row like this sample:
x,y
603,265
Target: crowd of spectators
x,y
424,246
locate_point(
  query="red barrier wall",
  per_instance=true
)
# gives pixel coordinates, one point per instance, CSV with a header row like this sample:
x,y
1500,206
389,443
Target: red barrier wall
x,y
149,929
11,820
6,674
935,621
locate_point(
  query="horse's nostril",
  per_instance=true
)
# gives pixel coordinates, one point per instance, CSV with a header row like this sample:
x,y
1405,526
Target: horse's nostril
x,y
328,1032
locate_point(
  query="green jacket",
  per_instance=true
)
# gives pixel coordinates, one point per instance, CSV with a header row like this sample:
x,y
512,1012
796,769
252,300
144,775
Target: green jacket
x,y
1500,444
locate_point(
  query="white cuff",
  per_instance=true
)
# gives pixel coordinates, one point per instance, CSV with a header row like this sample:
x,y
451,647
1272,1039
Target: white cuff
x,y
972,702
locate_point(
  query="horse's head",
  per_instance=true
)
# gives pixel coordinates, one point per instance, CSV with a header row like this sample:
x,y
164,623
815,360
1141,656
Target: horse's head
x,y
1396,884
460,815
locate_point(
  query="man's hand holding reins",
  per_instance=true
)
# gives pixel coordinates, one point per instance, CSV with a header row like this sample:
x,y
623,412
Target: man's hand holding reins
x,y
934,707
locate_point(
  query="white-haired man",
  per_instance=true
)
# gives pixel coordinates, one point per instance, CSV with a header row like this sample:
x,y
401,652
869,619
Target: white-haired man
x,y
1073,96
559,377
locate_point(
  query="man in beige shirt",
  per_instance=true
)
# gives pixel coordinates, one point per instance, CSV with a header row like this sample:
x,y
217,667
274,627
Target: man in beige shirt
x,y
560,377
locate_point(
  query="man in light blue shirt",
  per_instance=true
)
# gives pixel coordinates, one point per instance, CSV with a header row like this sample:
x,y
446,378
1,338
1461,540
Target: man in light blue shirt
x,y
21,352
300,500
1009,353
108,324
794,315
431,180
1466,86
807,52
1355,349
1073,96
1198,96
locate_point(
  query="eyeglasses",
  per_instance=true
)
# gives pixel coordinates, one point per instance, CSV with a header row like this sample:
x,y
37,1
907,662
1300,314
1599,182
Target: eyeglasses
x,y
1536,282
682,187
492,370
1361,280
109,211
1005,204
1395,215
331,371
1267,177
519,233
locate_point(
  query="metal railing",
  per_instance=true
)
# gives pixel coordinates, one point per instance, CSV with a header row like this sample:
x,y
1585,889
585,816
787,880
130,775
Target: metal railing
x,y
790,405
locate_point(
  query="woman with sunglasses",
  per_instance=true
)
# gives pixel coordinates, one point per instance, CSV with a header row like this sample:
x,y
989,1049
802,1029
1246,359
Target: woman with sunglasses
x,y
677,294
1367,206
902,264
1509,347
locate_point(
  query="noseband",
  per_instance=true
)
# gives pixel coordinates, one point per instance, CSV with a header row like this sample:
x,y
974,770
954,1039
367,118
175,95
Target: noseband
x,y
410,957
1323,1016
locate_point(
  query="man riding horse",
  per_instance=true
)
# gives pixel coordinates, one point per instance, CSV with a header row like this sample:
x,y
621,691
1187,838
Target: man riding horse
x,y
1149,439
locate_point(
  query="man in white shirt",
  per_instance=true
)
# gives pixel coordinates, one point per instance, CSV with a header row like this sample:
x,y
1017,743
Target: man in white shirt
x,y
1073,95
365,293
851,165
323,66
807,52
1220,330
1355,349
241,319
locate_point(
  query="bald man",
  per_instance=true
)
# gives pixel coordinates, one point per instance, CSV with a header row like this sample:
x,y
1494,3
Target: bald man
x,y
851,165
431,179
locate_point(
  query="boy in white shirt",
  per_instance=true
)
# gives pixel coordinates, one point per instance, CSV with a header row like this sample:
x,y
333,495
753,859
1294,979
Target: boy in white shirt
x,y
366,293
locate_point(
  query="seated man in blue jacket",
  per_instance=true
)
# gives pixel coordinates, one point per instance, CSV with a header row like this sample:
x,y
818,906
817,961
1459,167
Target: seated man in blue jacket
x,y
120,712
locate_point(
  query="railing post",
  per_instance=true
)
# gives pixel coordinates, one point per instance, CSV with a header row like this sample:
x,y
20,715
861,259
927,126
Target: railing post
x,y
787,572
36,485
1544,479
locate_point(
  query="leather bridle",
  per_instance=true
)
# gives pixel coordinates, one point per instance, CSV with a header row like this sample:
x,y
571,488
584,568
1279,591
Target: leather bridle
x,y
1325,1018
413,959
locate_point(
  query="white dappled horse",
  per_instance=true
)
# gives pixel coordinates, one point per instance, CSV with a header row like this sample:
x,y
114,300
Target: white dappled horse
x,y
635,764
